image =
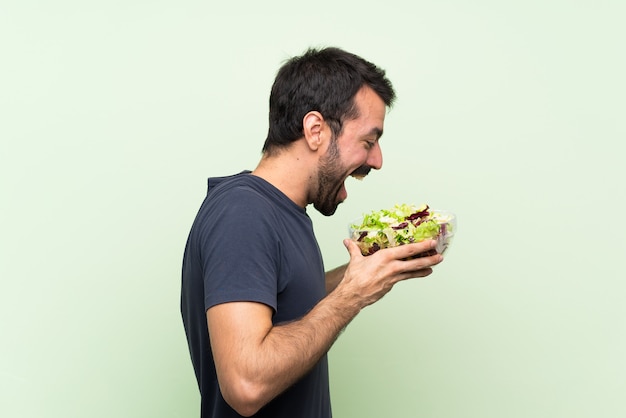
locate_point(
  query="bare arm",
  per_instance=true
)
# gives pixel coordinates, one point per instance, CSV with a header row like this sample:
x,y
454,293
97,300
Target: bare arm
x,y
333,277
256,360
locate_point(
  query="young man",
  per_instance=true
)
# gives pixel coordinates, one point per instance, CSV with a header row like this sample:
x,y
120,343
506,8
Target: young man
x,y
259,311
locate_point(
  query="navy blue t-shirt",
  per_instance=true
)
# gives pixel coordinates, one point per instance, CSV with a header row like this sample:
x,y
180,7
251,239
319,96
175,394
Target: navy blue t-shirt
x,y
250,242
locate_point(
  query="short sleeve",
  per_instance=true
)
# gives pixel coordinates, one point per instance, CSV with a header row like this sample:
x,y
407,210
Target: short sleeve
x,y
238,250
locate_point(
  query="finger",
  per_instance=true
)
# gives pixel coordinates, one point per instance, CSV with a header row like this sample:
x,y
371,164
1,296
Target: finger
x,y
415,274
418,264
412,250
352,247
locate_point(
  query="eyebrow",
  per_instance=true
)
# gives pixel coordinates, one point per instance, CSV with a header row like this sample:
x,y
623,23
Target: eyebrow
x,y
377,132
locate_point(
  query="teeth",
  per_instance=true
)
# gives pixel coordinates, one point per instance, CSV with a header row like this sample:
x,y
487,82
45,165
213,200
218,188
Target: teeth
x,y
358,176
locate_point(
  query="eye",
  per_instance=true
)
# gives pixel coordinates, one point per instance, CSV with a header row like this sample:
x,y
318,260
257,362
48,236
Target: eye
x,y
370,144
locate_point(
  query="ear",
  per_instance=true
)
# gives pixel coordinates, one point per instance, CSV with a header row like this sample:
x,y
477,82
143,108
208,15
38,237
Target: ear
x,y
313,127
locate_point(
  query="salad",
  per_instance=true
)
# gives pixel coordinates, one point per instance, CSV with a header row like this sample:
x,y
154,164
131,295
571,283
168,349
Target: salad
x,y
402,224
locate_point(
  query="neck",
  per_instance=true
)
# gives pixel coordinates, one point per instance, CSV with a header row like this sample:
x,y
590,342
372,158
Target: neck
x,y
290,171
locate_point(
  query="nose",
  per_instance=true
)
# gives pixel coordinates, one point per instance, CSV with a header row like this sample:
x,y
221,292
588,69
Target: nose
x,y
375,157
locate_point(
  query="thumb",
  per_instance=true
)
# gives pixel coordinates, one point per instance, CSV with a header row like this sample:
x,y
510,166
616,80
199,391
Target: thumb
x,y
352,247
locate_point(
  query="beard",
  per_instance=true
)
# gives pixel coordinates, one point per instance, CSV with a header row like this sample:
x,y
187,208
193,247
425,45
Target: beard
x,y
330,180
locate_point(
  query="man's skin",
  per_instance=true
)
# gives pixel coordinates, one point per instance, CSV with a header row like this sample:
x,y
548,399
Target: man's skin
x,y
257,360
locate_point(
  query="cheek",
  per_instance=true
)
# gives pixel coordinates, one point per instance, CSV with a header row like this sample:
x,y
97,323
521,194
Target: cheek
x,y
355,155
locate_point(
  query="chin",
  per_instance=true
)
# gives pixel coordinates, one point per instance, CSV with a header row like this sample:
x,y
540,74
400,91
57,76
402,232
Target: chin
x,y
327,210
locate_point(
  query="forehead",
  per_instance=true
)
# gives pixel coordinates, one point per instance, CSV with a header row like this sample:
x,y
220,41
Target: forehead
x,y
372,110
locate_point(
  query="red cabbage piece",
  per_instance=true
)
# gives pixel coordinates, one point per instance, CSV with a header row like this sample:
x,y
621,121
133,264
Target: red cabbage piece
x,y
421,214
400,226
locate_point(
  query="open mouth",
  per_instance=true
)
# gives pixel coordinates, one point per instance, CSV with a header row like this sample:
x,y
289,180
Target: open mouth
x,y
361,172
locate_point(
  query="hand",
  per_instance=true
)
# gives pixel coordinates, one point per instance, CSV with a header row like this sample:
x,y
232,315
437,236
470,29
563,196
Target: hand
x,y
369,278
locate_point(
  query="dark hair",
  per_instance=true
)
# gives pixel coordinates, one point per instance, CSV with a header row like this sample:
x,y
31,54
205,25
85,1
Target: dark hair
x,y
324,80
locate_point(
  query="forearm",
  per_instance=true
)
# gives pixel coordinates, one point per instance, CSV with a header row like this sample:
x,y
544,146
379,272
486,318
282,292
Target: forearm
x,y
295,347
334,277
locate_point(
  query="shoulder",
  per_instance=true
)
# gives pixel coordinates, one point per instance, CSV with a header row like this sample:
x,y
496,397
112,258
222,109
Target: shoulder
x,y
249,192
242,195
235,205
247,203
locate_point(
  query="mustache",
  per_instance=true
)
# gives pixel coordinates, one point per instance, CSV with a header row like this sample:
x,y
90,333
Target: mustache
x,y
362,171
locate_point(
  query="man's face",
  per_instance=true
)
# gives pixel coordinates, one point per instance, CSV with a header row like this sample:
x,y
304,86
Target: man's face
x,y
354,152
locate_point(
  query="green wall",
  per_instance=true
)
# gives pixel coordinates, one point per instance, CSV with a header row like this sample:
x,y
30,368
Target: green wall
x,y
511,114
